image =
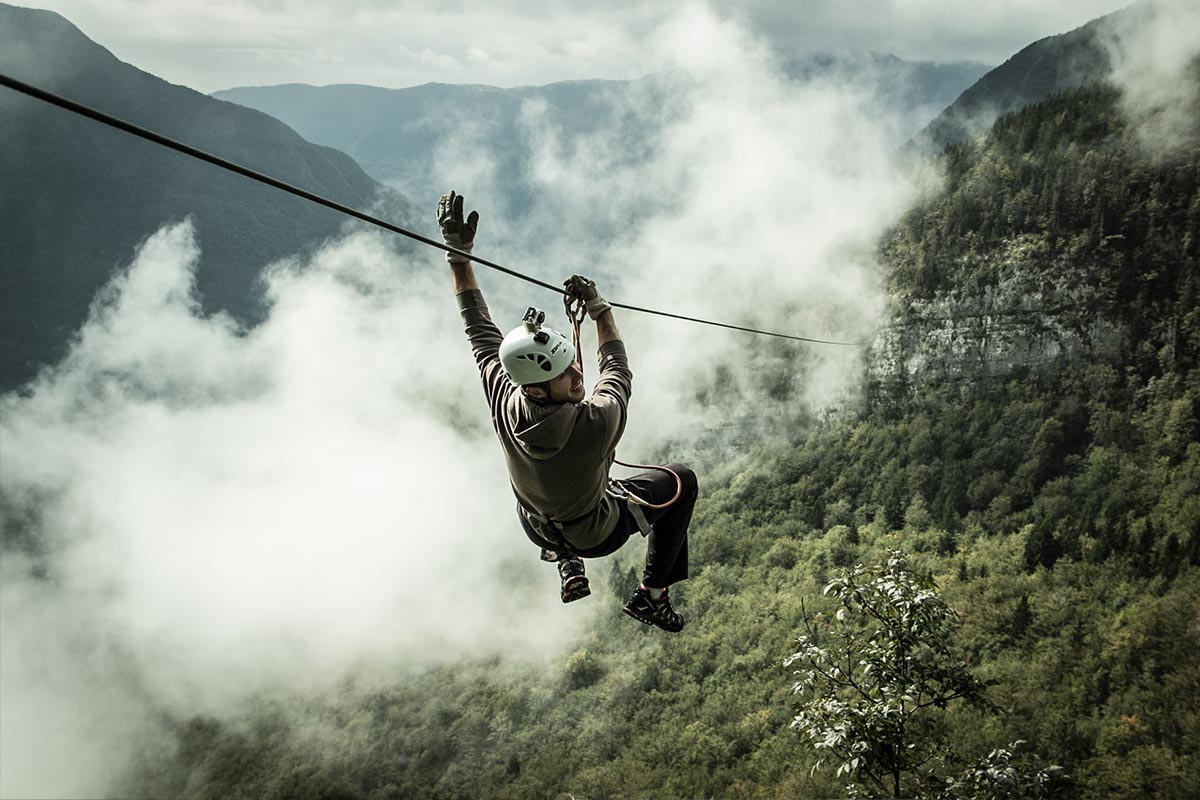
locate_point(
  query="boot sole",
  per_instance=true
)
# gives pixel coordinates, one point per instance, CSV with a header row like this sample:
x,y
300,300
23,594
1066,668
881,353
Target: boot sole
x,y
650,621
576,588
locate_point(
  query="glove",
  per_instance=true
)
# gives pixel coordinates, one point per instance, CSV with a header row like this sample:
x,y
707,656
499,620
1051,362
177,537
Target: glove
x,y
580,287
456,233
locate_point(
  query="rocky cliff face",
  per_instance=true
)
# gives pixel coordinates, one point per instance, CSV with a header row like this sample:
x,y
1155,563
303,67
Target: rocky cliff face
x,y
1027,314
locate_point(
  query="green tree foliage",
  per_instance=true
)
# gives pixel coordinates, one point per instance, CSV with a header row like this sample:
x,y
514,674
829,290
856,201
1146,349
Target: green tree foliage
x,y
870,671
1005,774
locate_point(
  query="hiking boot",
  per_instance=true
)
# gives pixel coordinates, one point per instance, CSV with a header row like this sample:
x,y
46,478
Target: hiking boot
x,y
574,582
654,612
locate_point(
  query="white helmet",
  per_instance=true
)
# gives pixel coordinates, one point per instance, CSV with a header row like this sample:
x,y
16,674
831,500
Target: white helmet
x,y
532,354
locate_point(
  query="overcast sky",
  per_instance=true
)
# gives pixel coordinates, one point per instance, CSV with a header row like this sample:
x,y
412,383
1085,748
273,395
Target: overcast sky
x,y
218,44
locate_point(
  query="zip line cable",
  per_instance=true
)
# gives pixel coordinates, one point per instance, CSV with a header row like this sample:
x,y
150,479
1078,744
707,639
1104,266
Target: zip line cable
x,y
194,152
157,138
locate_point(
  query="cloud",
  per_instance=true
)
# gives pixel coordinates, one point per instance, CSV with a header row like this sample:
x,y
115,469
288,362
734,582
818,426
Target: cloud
x,y
222,513
211,46
218,45
1156,62
925,30
72,707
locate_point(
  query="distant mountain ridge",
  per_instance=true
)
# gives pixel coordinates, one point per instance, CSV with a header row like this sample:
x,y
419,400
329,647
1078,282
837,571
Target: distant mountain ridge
x,y
1047,66
395,133
76,196
914,91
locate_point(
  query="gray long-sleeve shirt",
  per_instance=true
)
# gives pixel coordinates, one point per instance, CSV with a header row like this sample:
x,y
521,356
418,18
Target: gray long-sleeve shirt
x,y
558,454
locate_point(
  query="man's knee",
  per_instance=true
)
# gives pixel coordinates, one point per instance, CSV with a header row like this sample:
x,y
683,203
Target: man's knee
x,y
690,486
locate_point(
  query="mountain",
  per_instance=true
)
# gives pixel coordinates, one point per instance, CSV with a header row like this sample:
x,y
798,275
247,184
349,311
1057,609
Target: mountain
x,y
1043,68
77,196
396,134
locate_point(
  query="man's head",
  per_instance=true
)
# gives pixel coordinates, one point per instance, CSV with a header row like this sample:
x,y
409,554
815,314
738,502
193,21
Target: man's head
x,y
541,361
566,388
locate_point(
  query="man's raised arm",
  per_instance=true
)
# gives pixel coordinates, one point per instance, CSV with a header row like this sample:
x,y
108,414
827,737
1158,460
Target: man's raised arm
x,y
483,334
464,277
459,234
616,380
606,328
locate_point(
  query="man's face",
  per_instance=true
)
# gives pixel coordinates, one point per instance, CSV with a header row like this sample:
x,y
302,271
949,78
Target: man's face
x,y
568,387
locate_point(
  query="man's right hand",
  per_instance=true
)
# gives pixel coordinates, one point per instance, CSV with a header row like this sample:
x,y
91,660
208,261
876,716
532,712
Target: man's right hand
x,y
585,290
456,232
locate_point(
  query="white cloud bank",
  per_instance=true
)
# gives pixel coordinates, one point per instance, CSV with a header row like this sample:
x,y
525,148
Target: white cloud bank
x,y
222,514
1155,54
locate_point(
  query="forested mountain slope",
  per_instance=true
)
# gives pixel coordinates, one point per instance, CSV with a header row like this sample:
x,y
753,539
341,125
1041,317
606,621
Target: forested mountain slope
x,y
1054,498
1061,239
76,196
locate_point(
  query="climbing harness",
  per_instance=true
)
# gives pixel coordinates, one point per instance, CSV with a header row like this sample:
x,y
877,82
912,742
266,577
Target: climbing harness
x,y
550,529
576,311
157,138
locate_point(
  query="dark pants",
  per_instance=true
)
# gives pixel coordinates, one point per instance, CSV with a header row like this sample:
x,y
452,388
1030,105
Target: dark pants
x,y
666,546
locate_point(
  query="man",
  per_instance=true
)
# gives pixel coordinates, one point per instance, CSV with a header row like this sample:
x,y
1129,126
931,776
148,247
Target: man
x,y
559,445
